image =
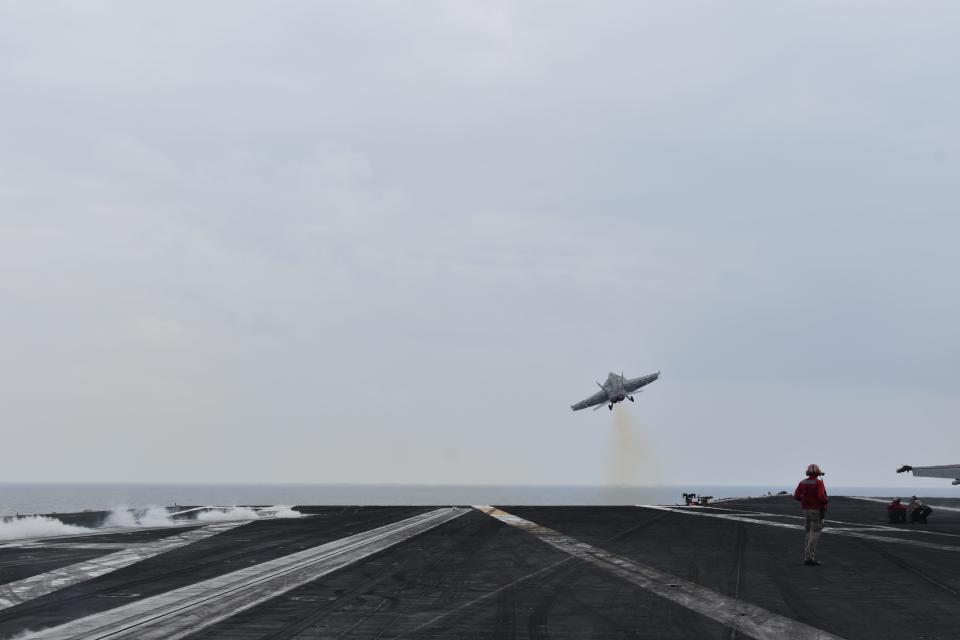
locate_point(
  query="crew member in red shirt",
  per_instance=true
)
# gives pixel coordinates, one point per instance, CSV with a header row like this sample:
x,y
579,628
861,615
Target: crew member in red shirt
x,y
896,511
812,495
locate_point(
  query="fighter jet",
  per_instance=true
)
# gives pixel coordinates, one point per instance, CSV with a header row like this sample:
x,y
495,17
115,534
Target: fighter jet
x,y
938,471
614,390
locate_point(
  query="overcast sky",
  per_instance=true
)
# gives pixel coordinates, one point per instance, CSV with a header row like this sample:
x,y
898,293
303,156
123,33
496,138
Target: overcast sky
x,y
394,241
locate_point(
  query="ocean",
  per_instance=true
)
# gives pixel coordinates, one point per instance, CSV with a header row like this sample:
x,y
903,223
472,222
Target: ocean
x,y
37,498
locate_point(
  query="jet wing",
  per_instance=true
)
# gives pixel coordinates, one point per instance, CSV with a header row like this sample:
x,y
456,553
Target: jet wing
x,y
951,471
633,384
600,397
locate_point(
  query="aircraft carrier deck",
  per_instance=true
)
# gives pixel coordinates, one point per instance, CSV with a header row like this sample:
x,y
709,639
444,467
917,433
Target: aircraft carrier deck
x,y
733,570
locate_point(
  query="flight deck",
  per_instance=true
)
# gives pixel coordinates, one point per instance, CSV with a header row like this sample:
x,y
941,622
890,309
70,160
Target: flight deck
x,y
733,569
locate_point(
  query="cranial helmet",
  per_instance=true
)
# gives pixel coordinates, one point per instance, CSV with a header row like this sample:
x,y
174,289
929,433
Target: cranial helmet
x,y
814,470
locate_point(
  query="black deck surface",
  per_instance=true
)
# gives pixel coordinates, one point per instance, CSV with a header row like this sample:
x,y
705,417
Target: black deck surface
x,y
19,563
249,544
476,577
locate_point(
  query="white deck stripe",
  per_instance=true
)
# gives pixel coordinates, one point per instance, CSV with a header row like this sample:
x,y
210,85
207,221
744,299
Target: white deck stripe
x,y
102,531
885,501
181,612
860,526
87,545
13,593
746,618
851,533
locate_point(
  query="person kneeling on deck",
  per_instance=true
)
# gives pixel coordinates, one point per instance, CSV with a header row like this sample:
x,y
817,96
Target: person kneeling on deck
x,y
812,495
896,511
918,510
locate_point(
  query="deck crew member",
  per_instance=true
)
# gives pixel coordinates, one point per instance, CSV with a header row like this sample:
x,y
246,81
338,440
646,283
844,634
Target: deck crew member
x,y
812,495
896,511
918,510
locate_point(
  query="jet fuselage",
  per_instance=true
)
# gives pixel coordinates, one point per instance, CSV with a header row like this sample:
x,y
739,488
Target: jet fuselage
x,y
617,388
614,388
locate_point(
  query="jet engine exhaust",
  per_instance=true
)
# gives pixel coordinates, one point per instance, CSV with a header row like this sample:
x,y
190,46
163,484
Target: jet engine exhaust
x,y
633,460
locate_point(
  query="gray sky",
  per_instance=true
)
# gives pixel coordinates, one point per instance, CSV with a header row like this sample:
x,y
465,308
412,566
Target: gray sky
x,y
394,241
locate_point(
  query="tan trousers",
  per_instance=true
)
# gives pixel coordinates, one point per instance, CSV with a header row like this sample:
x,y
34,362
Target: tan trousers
x,y
813,525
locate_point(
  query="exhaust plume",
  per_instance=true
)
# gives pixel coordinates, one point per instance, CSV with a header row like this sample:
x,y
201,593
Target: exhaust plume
x,y
633,459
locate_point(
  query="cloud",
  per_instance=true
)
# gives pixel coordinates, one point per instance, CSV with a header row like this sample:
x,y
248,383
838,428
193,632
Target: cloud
x,y
314,230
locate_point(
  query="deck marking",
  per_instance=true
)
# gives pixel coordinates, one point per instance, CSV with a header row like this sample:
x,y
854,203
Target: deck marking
x,y
852,533
116,546
14,593
102,531
184,611
490,594
859,525
746,618
885,501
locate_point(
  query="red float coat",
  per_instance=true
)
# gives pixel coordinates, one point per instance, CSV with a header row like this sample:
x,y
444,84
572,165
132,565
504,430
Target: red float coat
x,y
811,493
